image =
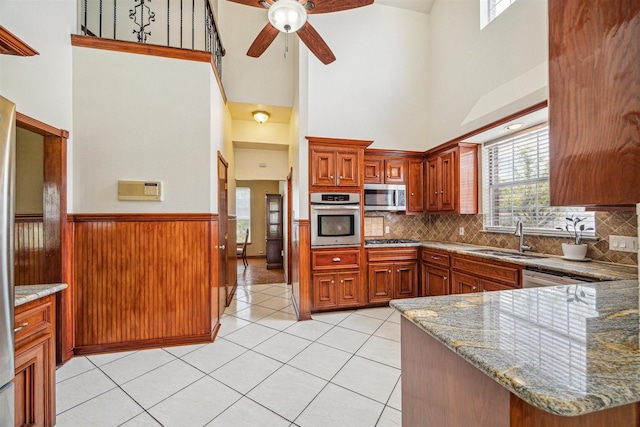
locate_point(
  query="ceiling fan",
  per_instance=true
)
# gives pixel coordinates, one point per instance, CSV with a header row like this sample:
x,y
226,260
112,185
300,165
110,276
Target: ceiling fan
x,y
289,16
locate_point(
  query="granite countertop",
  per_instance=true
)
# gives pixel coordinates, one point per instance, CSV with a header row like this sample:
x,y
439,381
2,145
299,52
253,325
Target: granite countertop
x,y
593,269
569,350
25,294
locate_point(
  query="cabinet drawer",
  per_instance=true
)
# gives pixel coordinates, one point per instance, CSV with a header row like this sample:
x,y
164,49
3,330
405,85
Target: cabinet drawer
x,y
436,258
490,270
399,254
335,259
32,318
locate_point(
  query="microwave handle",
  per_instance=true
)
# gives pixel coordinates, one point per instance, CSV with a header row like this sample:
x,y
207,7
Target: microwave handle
x,y
334,207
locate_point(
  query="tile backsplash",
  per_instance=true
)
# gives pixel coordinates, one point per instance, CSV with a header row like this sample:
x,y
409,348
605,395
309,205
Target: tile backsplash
x,y
446,228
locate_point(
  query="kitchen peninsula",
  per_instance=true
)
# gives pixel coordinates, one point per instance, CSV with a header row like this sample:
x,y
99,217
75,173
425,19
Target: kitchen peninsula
x,y
554,356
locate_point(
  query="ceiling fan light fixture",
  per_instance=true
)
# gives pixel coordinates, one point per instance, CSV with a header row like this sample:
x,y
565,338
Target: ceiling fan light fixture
x,y
287,16
261,116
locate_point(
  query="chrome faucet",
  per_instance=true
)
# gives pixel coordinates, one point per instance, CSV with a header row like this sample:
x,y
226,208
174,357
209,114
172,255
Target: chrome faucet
x,y
520,233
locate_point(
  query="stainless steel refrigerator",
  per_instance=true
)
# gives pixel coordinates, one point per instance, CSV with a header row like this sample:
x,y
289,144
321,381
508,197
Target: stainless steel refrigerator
x,y
7,177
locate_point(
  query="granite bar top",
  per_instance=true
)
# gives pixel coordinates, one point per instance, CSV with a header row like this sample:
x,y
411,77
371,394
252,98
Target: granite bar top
x,y
569,349
593,269
25,294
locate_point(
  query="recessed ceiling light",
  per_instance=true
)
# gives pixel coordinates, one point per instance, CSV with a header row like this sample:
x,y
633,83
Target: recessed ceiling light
x,y
514,126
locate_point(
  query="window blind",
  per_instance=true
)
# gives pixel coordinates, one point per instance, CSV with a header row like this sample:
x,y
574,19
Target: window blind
x,y
516,185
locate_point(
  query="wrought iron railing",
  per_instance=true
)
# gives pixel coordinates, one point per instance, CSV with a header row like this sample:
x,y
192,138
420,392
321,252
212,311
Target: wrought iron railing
x,y
187,24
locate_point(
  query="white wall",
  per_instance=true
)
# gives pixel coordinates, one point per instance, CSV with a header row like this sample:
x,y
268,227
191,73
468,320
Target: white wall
x,y
479,76
377,87
266,80
248,161
149,125
41,85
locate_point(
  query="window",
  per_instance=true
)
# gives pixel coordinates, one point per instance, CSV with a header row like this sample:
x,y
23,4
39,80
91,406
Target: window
x,y
490,9
516,186
243,213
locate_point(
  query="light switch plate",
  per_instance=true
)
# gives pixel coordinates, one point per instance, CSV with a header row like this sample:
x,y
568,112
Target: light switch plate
x,y
623,243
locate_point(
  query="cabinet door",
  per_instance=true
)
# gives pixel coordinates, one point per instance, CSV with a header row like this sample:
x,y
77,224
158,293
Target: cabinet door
x,y
323,165
435,280
405,281
349,289
347,168
394,171
447,181
464,284
30,384
324,290
372,171
415,187
433,183
380,282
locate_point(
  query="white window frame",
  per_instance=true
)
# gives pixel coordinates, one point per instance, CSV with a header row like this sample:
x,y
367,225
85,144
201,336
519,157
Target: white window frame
x,y
536,144
491,9
241,231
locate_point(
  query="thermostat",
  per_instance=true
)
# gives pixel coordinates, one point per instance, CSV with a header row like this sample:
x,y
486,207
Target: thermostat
x,y
150,191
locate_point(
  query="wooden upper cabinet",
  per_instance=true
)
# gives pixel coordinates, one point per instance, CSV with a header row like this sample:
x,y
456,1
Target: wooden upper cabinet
x,y
452,179
373,171
394,171
594,107
336,162
415,187
382,169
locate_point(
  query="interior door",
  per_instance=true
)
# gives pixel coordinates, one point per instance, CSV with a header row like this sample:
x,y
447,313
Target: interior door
x,y
222,232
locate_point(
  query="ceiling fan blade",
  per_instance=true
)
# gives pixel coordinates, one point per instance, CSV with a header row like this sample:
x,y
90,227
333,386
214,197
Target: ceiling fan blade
x,y
263,41
254,3
316,44
326,6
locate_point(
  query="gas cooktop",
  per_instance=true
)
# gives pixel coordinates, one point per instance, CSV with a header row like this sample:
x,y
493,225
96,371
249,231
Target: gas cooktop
x,y
388,241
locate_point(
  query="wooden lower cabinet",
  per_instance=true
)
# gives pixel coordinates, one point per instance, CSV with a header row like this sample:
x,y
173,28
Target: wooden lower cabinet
x,y
35,363
392,274
435,280
331,290
435,273
473,274
336,279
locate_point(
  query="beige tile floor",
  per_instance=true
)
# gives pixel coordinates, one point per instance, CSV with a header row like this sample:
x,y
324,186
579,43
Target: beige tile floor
x,y
340,369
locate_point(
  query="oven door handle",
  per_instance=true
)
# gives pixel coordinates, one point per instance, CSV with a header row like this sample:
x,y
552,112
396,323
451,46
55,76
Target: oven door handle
x,y
335,207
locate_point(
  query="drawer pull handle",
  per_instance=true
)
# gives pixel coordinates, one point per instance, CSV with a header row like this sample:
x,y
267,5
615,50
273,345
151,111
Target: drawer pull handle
x,y
336,259
21,327
434,257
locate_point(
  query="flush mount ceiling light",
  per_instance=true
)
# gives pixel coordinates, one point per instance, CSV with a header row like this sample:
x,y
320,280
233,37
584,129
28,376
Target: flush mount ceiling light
x,y
261,116
287,15
514,126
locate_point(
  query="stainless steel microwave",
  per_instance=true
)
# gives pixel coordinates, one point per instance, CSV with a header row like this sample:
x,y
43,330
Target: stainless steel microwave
x,y
385,197
335,219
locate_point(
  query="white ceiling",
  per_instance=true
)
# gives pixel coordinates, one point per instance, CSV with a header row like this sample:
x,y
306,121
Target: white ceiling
x,y
422,6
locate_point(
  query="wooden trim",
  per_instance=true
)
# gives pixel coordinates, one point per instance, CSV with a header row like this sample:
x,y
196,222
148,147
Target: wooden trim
x,y
145,217
10,44
535,107
149,49
301,269
29,123
23,218
378,152
155,343
339,142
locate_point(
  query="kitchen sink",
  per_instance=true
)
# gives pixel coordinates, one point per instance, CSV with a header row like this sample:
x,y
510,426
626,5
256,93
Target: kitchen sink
x,y
507,253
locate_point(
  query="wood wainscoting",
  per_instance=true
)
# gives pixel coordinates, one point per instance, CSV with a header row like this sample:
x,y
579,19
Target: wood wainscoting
x,y
29,250
301,268
144,280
